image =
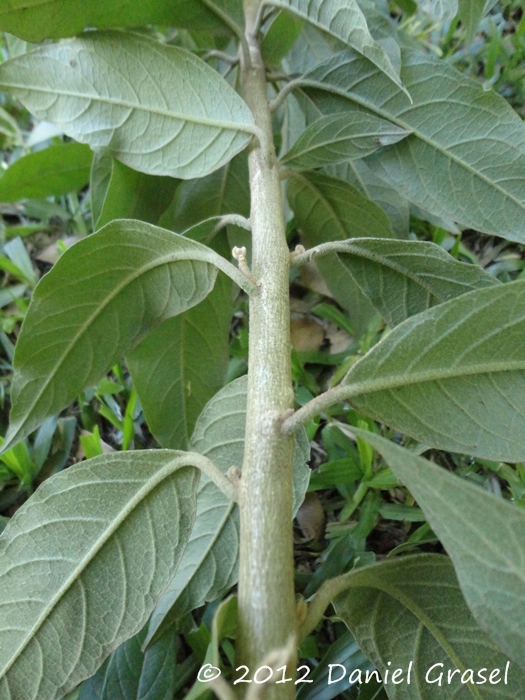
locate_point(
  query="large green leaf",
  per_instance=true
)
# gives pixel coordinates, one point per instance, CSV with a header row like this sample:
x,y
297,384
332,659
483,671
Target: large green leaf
x,y
358,174
404,278
225,623
51,172
310,48
484,536
104,295
132,674
391,201
139,98
226,191
84,561
341,137
328,210
35,20
182,364
210,562
466,156
344,20
410,612
128,194
453,376
280,38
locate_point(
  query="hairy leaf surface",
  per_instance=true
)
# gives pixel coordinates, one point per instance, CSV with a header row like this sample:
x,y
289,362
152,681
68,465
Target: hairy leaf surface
x,y
404,278
483,535
137,97
104,295
411,610
341,137
344,20
183,363
465,159
210,562
53,171
453,376
36,20
102,564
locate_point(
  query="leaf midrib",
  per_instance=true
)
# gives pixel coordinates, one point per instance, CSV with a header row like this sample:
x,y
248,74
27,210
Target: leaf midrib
x,y
388,71
311,148
214,123
386,261
328,87
113,526
415,609
393,382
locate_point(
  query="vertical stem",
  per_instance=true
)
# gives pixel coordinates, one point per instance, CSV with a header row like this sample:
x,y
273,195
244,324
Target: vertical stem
x,y
266,593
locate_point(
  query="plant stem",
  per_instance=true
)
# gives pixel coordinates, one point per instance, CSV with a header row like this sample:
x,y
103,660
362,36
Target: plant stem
x,y
266,593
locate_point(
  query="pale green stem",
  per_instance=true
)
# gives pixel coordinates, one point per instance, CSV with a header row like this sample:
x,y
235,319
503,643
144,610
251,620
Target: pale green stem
x,y
266,592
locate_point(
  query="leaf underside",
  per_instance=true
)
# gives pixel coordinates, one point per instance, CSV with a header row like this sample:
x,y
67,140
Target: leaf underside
x,y
120,91
465,159
453,376
411,610
121,282
483,535
404,278
103,563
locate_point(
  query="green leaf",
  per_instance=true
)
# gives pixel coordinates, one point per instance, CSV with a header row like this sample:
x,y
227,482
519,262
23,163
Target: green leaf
x,y
53,171
328,210
483,535
114,514
120,91
210,562
343,20
310,48
474,168
224,625
340,137
226,191
395,206
404,278
36,20
130,194
182,364
471,12
280,38
132,674
417,600
121,283
100,177
345,651
453,376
